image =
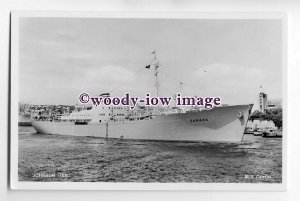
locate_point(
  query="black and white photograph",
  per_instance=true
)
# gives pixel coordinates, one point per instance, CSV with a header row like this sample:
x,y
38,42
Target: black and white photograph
x,y
148,101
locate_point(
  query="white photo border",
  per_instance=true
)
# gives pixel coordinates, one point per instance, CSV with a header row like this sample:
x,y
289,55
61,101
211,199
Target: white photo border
x,y
15,184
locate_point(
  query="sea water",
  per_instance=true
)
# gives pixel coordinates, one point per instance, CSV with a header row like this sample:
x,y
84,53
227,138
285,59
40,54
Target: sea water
x,y
88,159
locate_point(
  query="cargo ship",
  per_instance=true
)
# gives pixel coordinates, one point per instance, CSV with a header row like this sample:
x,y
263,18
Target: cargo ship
x,y
219,124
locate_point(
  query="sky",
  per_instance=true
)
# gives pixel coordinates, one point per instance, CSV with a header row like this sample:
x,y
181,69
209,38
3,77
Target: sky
x,y
231,58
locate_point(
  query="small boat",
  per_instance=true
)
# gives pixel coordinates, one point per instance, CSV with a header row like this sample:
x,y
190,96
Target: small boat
x,y
24,119
271,133
257,133
249,131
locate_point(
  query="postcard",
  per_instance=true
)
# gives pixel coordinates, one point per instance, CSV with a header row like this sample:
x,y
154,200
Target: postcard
x,y
148,101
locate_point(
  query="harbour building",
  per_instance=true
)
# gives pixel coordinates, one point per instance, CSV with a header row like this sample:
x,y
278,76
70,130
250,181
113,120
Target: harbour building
x,y
263,99
267,105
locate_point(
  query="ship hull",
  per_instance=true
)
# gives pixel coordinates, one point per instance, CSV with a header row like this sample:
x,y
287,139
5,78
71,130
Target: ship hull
x,y
222,124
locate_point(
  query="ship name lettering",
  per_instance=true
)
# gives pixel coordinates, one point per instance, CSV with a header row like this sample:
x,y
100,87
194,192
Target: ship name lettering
x,y
199,120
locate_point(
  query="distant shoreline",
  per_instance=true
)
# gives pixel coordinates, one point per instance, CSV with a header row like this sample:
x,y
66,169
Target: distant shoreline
x,y
24,123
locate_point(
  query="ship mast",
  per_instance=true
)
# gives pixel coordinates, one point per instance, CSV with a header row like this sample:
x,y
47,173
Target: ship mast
x,y
156,85
156,65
